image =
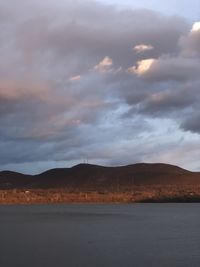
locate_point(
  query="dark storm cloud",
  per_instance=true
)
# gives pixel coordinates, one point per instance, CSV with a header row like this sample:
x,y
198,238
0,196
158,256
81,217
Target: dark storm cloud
x,y
72,85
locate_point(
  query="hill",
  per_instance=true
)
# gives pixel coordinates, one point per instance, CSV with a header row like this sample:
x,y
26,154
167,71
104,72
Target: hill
x,y
94,177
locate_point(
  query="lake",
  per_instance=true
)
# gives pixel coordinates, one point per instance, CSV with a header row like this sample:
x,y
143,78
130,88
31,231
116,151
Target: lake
x,y
112,235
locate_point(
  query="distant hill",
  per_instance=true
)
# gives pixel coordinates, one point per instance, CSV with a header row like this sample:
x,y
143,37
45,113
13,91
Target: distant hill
x,y
93,177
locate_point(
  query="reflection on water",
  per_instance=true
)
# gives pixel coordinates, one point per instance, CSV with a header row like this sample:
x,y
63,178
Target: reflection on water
x,y
100,235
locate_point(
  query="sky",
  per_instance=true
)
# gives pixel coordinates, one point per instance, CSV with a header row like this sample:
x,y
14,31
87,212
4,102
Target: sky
x,y
185,8
105,82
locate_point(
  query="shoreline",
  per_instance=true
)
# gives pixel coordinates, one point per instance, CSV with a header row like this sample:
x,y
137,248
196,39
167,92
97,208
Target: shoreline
x,y
140,194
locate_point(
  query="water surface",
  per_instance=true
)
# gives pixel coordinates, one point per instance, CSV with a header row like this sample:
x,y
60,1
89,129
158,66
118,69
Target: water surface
x,y
104,235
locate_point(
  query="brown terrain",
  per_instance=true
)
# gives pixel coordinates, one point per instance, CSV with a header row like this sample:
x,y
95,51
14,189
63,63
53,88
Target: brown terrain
x,y
91,183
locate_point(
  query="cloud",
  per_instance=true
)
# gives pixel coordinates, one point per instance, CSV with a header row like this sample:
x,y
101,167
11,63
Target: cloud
x,y
168,103
142,48
190,43
181,66
11,90
167,68
142,67
196,27
191,123
75,78
71,86
104,65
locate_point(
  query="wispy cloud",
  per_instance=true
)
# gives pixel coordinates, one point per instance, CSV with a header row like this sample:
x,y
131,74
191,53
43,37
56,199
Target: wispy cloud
x,y
142,48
